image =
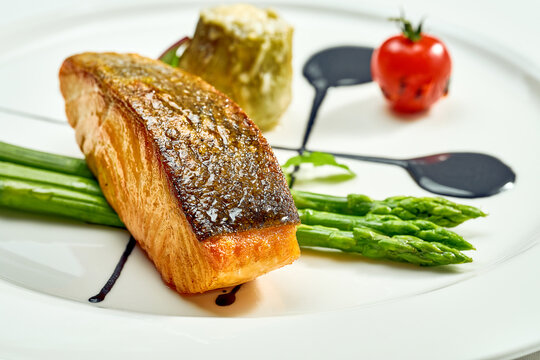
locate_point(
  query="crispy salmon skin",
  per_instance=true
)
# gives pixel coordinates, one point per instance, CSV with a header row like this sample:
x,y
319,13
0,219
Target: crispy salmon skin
x,y
187,171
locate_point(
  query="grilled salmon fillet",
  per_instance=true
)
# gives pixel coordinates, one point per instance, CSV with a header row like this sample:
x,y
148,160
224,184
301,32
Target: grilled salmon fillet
x,y
187,171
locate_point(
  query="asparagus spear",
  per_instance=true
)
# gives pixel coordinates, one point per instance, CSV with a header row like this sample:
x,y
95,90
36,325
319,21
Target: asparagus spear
x,y
71,182
50,199
440,211
388,225
47,192
43,160
55,200
404,248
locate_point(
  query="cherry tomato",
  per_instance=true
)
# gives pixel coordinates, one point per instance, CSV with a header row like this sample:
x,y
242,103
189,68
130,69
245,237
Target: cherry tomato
x,y
413,69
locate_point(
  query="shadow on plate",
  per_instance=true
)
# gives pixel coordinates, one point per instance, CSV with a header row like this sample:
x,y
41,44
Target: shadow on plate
x,y
336,256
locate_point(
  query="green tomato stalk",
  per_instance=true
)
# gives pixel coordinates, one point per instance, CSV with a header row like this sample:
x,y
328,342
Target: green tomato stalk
x,y
407,29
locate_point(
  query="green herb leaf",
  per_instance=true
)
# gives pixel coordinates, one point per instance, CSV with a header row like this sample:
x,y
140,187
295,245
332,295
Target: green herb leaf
x,y
318,159
169,56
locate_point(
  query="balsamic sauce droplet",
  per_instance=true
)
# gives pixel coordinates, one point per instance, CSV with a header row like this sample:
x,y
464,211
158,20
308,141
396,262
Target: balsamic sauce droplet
x,y
116,273
228,298
461,174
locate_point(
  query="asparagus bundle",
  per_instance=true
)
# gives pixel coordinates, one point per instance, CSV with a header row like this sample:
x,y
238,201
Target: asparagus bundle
x,y
437,210
388,225
369,243
395,229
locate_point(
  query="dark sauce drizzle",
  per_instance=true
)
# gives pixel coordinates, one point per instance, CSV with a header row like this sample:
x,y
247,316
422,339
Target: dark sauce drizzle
x,y
333,67
459,174
228,298
116,273
221,300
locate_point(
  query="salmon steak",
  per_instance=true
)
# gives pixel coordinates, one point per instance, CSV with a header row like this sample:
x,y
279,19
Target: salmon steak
x,y
189,174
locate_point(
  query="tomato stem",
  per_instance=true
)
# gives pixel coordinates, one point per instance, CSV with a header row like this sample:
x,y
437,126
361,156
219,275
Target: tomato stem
x,y
407,29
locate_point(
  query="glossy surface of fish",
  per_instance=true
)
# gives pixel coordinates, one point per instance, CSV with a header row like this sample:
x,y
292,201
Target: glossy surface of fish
x,y
189,174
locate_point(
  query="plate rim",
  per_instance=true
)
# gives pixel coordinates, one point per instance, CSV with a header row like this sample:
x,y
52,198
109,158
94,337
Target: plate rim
x,y
9,290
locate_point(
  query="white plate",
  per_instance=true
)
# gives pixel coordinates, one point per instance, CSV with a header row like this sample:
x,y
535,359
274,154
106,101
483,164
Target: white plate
x,y
326,304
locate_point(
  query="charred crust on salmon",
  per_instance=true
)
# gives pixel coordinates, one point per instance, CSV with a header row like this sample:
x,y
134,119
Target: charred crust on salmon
x,y
224,174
